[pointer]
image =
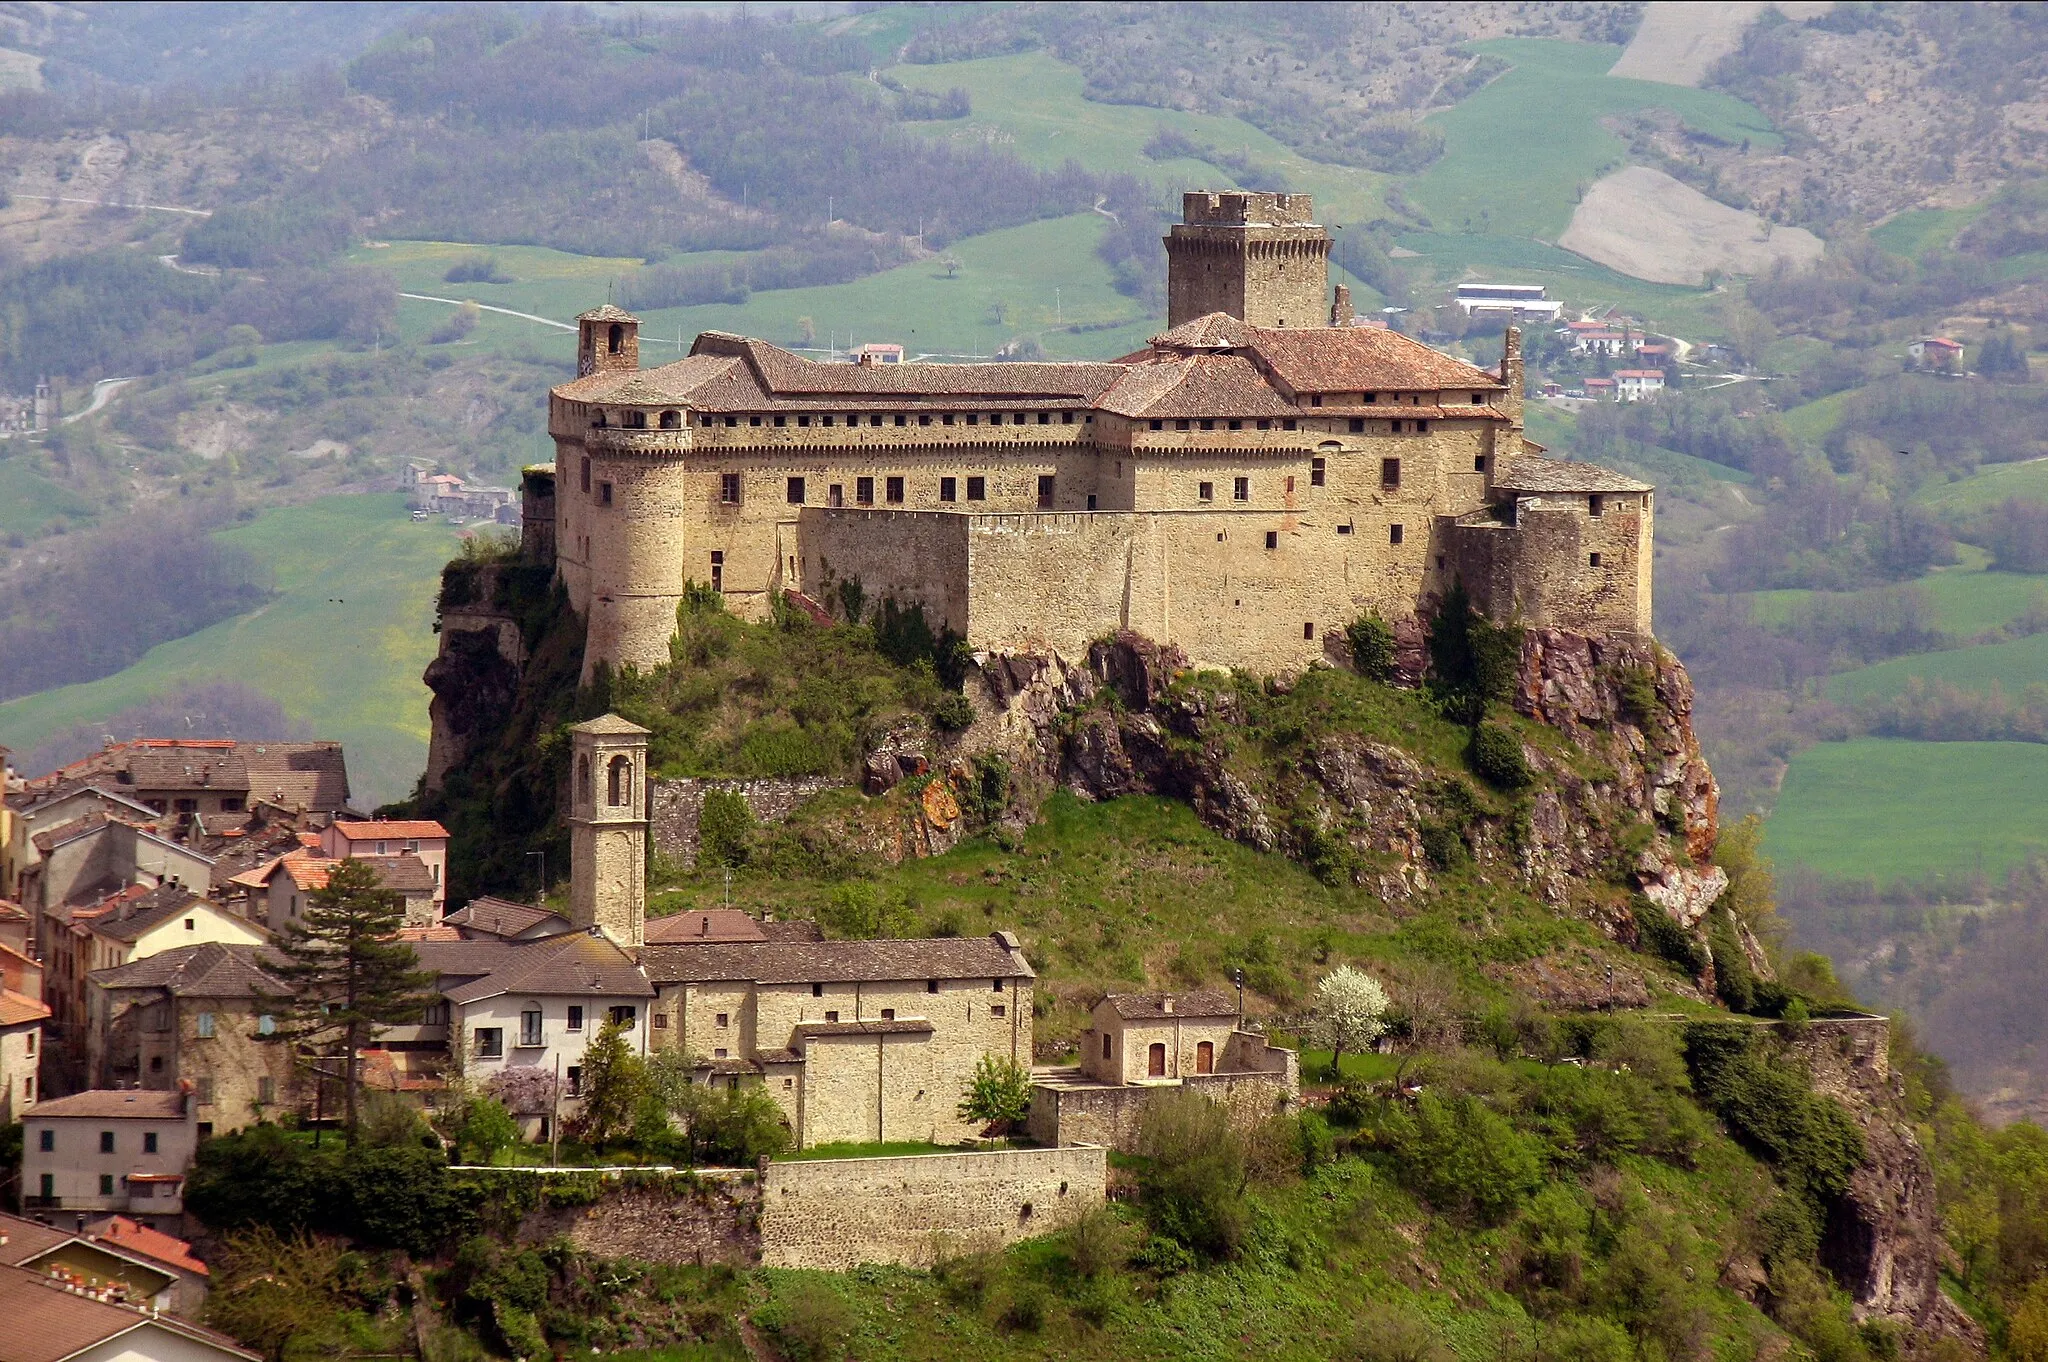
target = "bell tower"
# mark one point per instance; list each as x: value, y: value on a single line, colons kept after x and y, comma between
x: 1261, y: 257
x: 607, y: 338
x: 608, y: 828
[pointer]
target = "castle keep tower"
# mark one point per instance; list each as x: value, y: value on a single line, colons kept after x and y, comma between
x: 608, y: 828
x: 1259, y: 257
x: 607, y: 338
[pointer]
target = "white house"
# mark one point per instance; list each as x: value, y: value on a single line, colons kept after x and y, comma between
x: 1633, y: 385
x: 1511, y: 300
x: 106, y: 1150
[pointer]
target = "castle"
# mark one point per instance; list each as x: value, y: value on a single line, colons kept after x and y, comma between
x: 1263, y: 473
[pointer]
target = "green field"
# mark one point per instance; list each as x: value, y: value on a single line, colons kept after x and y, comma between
x: 341, y: 646
x: 1989, y: 486
x: 1920, y: 230
x: 1044, y: 276
x: 1517, y: 153
x: 1883, y: 809
x: 1668, y: 468
x: 1810, y: 422
x: 1967, y: 602
x: 29, y: 501
x: 2014, y: 666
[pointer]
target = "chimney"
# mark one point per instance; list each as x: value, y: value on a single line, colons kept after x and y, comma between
x: 1341, y: 311
x: 1511, y: 378
x: 1166, y: 1003
x: 705, y: 930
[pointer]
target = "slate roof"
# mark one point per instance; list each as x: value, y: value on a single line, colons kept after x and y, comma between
x: 1205, y: 1004
x: 907, y: 1026
x: 46, y: 1323
x: 104, y: 1104
x: 608, y: 313
x: 706, y: 925
x: 213, y: 969
x: 1558, y: 475
x: 825, y: 962
x: 312, y: 775
x: 609, y: 725
x: 501, y: 917
x: 130, y: 919
x: 574, y: 963
x: 404, y: 874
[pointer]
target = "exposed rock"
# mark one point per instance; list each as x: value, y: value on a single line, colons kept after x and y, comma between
x: 475, y: 682
x: 896, y: 754
x: 1680, y: 890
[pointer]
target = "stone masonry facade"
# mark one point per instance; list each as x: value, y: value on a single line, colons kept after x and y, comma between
x: 1260, y: 475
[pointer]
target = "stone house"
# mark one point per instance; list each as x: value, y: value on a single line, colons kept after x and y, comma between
x: 51, y: 1320
x: 194, y: 1018
x: 505, y: 920
x: 1157, y: 1037
x: 422, y: 838
x: 36, y: 811
x: 1245, y: 486
x: 282, y: 890
x: 110, y: 1151
x: 133, y: 924
x: 81, y: 864
x: 21, y: 1045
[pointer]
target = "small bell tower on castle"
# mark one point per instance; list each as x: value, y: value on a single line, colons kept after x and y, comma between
x: 608, y: 829
x: 607, y: 338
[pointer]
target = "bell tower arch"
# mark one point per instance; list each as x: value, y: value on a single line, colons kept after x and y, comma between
x: 608, y: 828
x: 607, y: 338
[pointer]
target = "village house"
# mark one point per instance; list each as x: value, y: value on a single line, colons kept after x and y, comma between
x: 1633, y: 385
x: 1600, y: 389
x: 1935, y: 352
x: 165, y: 1252
x: 132, y: 924
x: 22, y: 1016
x: 110, y: 1151
x: 52, y: 1320
x: 346, y: 839
x: 196, y: 1019
x: 282, y: 890
x: 505, y: 920
x: 117, y: 1257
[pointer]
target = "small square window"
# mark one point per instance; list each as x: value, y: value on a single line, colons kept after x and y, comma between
x: 1205, y: 491
x: 1272, y: 539
x: 781, y: 420
x: 788, y: 1083
x: 1265, y: 424
x: 1066, y: 418
x: 888, y: 1014
x: 753, y: 420
x: 796, y: 491
x: 924, y: 418
x: 949, y: 489
x: 1208, y: 425
x: 725, y: 1019
x: 1393, y: 534
x: 995, y: 986
x: 1422, y: 427
x: 803, y: 420
x: 1316, y: 401
x: 901, y: 419
x: 998, y: 1010
x: 947, y: 419
x: 1237, y: 425
x: 661, y: 1021
x: 719, y: 1053
x: 732, y: 420
x: 931, y: 986
x: 832, y: 1016
x: 1180, y: 425
x: 893, y: 489
x: 1159, y: 425
x: 1287, y: 424
x: 973, y: 418
x: 1369, y: 398
x: 1358, y: 425
x: 1593, y: 560
x: 817, y: 990
x: 1045, y: 418
x: 977, y: 489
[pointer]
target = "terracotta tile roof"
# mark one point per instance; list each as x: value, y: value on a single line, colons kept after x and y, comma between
x: 436, y: 932
x: 105, y: 1104
x: 18, y: 1009
x: 396, y: 830
x: 1196, y: 385
x: 1557, y: 475
x: 27, y: 1239
x: 1639, y: 373
x: 133, y: 1237
x: 796, y: 962
x: 47, y: 1323
x: 182, y: 768
x: 304, y: 775
x: 212, y: 969
x: 1206, y: 1004
x: 502, y: 918
x: 1360, y: 359
x: 132, y: 918
x: 792, y: 929
x: 907, y: 1026
x: 578, y: 962
x: 307, y: 870
x: 704, y: 924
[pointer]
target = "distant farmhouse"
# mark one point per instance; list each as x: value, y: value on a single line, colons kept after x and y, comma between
x: 1512, y: 301
x: 1253, y: 480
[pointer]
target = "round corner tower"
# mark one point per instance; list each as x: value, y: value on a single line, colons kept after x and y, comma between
x: 1260, y: 257
x: 608, y: 828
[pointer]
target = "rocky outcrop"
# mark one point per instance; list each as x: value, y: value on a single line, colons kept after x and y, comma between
x: 475, y: 683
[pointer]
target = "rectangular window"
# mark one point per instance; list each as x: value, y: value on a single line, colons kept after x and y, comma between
x: 1393, y: 534
x: 1289, y: 486
x: 1045, y: 485
x: 888, y: 1014
x: 892, y: 488
x: 1205, y: 491
x: 1272, y: 539
x: 835, y: 495
x: 49, y: 1187
x: 725, y: 1019
x: 832, y: 1016
x: 1358, y: 425
x: 1390, y: 475
x: 529, y: 1028
x: 575, y: 1016
x: 574, y: 1075
x: 1478, y: 463
x: 490, y: 1042
x: 661, y: 1021
x: 604, y: 493
x: 949, y: 489
x: 864, y: 491
x: 717, y: 570
x: 204, y: 1027
x: 796, y: 491
x: 1159, y: 425
x: 1287, y: 424
x: 977, y: 489
x: 1318, y: 472
x: 931, y: 986
x: 149, y: 1142
x: 998, y: 1010
x: 732, y: 420
x: 1308, y: 629
x: 1343, y: 529
x: 817, y: 990
x: 106, y: 1142
x: 1208, y: 424
x: 1180, y: 425
x: 803, y: 420
x: 106, y: 1184
x: 1422, y: 427
x: 46, y: 1140
x: 266, y: 1090
x: 1241, y: 489
x: 995, y: 986
x: 185, y: 805
x: 728, y: 489
x: 1595, y: 504
x: 1593, y: 560
x: 625, y: 1016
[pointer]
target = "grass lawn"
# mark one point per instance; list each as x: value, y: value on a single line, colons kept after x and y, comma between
x: 29, y: 501
x: 1885, y: 809
x: 1988, y: 486
x: 1967, y: 603
x: 1518, y: 152
x: 341, y: 647
x: 1924, y: 229
x: 2014, y: 666
x: 1810, y: 422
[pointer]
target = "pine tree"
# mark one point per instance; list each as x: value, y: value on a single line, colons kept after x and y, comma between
x: 348, y: 975
x: 614, y: 1079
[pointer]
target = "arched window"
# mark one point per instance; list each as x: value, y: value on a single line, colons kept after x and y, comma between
x: 1205, y: 1057
x: 621, y: 782
x: 617, y: 339
x: 636, y: 420
x: 671, y: 420
x: 1155, y: 1060
x: 583, y: 779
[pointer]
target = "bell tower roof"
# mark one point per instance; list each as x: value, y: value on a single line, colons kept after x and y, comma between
x: 608, y: 313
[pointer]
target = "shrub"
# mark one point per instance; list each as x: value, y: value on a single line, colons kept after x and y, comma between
x: 1394, y: 1334
x: 724, y: 827
x: 1810, y: 1138
x: 1659, y: 933
x: 1636, y: 684
x: 953, y: 712
x: 1097, y: 1244
x: 809, y: 1320
x: 484, y: 1128
x: 1465, y: 1158
x: 1496, y: 756
x: 1193, y: 1174
x: 999, y: 1094
x: 1372, y: 647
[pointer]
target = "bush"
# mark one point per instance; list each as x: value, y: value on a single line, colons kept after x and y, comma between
x: 1810, y: 1138
x: 1659, y: 933
x: 1372, y: 647
x: 809, y: 1320
x: 1395, y: 1334
x: 724, y: 827
x: 999, y: 1094
x: 484, y: 1129
x: 1496, y: 756
x: 1465, y: 1158
x: 1194, y: 1173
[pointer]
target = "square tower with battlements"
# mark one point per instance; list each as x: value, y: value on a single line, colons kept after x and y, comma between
x: 1260, y: 257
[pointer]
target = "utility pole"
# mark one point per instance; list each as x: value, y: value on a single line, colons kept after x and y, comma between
x: 540, y: 895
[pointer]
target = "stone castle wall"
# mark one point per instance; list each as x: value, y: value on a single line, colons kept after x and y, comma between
x: 1110, y: 1116
x: 1542, y: 567
x: 675, y: 806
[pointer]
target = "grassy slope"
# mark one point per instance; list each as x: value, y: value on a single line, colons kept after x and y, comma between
x: 341, y: 647
x: 1967, y: 602
x: 1988, y: 486
x: 29, y: 501
x: 1924, y: 229
x: 1883, y: 809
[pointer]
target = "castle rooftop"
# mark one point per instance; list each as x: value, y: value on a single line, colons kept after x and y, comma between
x: 1529, y: 474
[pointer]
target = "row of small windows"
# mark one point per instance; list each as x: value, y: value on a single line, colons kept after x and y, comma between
x: 923, y: 418
x: 1412, y: 399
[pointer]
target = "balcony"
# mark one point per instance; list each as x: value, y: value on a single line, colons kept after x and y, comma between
x: 623, y: 440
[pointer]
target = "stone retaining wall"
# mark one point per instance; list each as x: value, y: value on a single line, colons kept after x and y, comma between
x: 1109, y: 1116
x: 675, y: 806
x: 716, y: 1221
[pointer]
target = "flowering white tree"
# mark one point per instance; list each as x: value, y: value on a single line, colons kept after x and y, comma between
x: 1351, y: 1012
